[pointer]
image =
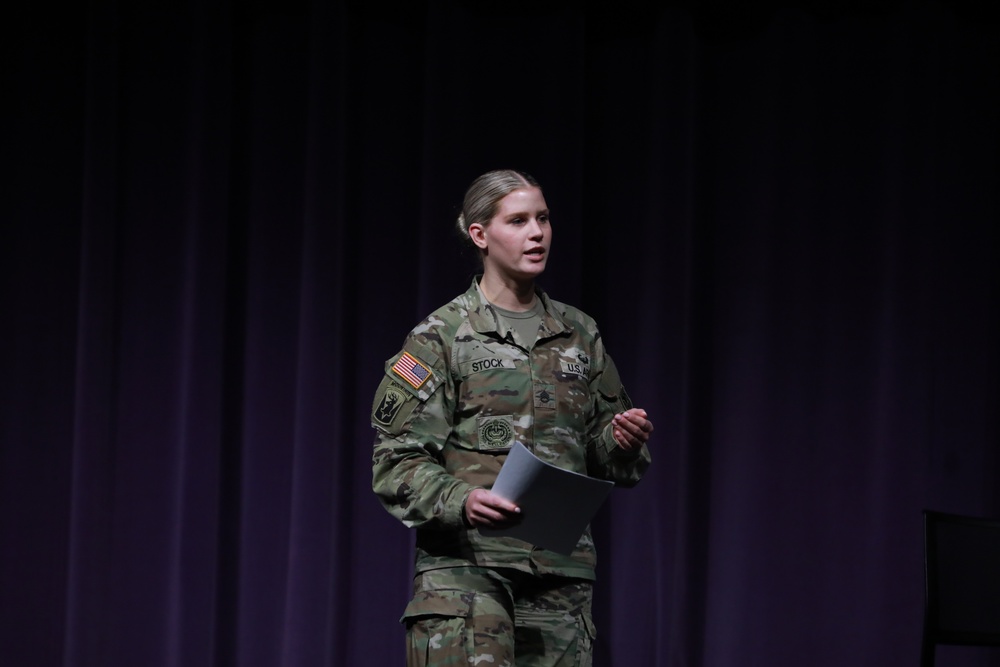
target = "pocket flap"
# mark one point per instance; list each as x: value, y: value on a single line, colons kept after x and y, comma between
x: 440, y: 603
x: 610, y: 384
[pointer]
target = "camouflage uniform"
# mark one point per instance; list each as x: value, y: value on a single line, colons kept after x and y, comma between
x: 452, y: 403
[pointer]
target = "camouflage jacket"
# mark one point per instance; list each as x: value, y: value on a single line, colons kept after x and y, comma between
x: 456, y: 398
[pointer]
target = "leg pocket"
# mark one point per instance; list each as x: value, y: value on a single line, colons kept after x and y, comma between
x: 452, y: 627
x: 554, y: 624
x: 437, y: 628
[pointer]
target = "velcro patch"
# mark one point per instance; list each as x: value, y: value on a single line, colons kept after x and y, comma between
x: 545, y: 396
x: 496, y: 432
x: 412, y: 370
x: 388, y: 406
x: 574, y: 368
x: 488, y: 364
x: 392, y: 407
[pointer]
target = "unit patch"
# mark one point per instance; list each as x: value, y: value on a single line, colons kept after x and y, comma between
x: 412, y: 370
x: 392, y: 407
x: 388, y: 407
x: 496, y: 432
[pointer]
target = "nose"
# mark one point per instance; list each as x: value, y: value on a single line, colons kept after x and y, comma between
x: 535, y: 229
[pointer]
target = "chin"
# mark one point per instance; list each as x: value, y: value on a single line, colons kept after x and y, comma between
x: 534, y: 270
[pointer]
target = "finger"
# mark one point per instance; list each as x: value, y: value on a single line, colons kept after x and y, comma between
x: 642, y: 422
x: 642, y: 430
x: 630, y: 424
x: 485, y: 516
x: 500, y: 503
x: 494, y: 519
x: 625, y: 440
x: 637, y: 417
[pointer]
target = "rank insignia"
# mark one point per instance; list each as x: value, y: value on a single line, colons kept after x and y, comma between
x: 545, y: 396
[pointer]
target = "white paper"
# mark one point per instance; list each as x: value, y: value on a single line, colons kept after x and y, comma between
x: 556, y: 504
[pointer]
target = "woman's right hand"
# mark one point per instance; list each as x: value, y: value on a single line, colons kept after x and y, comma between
x: 486, y: 509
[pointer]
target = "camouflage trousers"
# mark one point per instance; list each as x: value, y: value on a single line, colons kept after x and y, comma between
x: 472, y: 616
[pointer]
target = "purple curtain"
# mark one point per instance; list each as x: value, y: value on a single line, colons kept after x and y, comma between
x: 219, y: 219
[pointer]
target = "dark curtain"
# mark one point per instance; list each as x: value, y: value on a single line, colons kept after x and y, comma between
x: 220, y: 218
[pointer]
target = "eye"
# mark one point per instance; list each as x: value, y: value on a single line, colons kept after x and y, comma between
x: 517, y: 221
x: 543, y: 218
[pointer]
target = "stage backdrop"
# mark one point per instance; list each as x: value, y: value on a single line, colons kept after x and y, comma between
x: 220, y: 218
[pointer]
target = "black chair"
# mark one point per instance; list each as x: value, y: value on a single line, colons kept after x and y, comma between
x: 962, y: 576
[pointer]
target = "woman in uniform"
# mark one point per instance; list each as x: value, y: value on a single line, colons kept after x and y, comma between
x: 499, y: 364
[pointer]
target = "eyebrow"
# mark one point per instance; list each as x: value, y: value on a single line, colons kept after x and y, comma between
x: 521, y: 214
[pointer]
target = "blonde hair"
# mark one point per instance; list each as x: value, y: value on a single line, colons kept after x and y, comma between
x: 482, y: 199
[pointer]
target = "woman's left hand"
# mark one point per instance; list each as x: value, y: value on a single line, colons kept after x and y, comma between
x: 632, y: 428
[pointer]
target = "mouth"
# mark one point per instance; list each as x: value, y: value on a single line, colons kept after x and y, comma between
x: 535, y: 252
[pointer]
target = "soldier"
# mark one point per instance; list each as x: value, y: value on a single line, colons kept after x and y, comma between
x: 499, y: 364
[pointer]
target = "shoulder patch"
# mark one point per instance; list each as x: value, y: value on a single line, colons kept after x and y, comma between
x: 387, y: 408
x: 392, y: 407
x: 412, y: 370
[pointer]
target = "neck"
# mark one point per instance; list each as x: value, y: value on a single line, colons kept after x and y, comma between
x: 507, y: 293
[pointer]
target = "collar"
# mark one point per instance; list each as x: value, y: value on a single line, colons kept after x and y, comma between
x: 484, y: 318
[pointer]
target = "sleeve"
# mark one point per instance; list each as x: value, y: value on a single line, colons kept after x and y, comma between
x: 605, y: 458
x: 412, y: 414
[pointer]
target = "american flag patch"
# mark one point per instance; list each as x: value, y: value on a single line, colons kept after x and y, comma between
x: 411, y: 370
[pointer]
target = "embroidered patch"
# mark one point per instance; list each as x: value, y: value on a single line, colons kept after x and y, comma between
x: 388, y: 407
x: 545, y: 396
x: 412, y: 370
x: 581, y: 369
x: 392, y: 406
x: 480, y: 365
x: 496, y: 432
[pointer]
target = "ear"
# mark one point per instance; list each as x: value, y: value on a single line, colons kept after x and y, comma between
x: 477, y: 232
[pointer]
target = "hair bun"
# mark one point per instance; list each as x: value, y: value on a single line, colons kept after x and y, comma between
x: 482, y: 199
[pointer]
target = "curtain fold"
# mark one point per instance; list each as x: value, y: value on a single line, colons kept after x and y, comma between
x: 220, y: 220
